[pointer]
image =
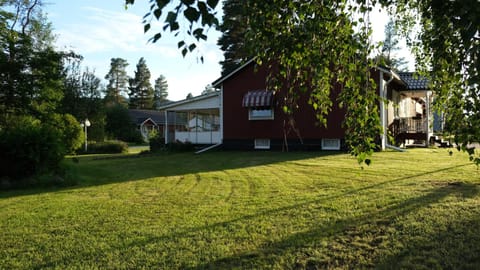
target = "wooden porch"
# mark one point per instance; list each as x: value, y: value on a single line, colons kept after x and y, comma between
x: 403, y: 129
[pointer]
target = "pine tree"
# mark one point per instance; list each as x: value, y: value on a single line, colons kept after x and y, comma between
x: 161, y: 91
x: 208, y: 89
x: 117, y: 82
x: 232, y: 41
x: 390, y: 46
x: 141, y: 91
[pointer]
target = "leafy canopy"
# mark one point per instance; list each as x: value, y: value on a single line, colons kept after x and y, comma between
x: 315, y: 43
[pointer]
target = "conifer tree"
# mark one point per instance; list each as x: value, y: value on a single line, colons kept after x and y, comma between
x: 117, y: 82
x: 390, y: 46
x: 161, y: 91
x: 141, y: 91
x: 232, y: 41
x: 208, y: 89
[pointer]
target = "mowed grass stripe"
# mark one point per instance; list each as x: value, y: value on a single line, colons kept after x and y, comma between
x: 260, y: 210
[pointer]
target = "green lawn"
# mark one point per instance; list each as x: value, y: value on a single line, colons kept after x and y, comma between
x: 250, y: 210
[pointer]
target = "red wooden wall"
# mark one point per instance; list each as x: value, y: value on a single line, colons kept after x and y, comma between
x: 237, y: 126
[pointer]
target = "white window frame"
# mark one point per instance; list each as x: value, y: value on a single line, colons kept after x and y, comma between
x: 327, y: 144
x: 251, y: 115
x: 262, y: 144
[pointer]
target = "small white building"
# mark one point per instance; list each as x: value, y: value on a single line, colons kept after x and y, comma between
x: 197, y: 120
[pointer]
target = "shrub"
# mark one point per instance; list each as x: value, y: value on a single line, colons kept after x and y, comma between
x: 157, y: 143
x: 120, y: 126
x: 72, y: 134
x: 27, y: 148
x: 108, y: 147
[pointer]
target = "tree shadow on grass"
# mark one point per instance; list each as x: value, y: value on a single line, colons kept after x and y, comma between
x: 347, y: 247
x: 452, y: 243
x: 339, y: 233
x: 96, y: 170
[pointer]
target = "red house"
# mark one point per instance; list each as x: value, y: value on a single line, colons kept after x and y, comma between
x: 251, y: 117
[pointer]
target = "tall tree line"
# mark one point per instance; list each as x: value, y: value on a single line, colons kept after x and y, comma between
x: 141, y: 94
x: 35, y: 130
x: 30, y: 69
x: 45, y: 93
x: 232, y: 42
x: 83, y: 96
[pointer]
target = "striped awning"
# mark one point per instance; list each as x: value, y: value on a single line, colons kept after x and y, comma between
x: 258, y: 98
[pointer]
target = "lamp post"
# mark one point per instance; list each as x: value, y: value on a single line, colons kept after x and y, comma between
x: 86, y: 124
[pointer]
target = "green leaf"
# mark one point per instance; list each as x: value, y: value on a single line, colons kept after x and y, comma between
x: 198, y: 34
x: 184, y: 52
x: 174, y: 26
x: 191, y: 14
x: 157, y: 13
x: 212, y: 3
x: 171, y: 17
x: 188, y: 2
x: 162, y: 3
x: 192, y: 47
x: 156, y: 37
x: 202, y: 7
x: 197, y: 31
x: 181, y: 44
x: 146, y: 27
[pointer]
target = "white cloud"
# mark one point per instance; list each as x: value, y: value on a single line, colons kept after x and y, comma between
x: 103, y: 30
x: 100, y: 34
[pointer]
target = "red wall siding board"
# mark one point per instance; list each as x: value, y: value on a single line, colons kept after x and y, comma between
x: 238, y: 127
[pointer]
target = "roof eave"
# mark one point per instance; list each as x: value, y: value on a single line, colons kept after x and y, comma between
x: 393, y: 74
x: 155, y: 123
x: 220, y: 80
x: 185, y: 101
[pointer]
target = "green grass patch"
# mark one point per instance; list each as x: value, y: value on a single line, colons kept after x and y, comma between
x: 250, y: 210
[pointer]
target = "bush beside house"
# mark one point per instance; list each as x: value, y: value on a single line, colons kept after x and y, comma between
x: 30, y: 148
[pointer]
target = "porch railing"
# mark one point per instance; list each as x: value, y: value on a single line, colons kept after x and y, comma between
x: 408, y: 125
x: 197, y: 137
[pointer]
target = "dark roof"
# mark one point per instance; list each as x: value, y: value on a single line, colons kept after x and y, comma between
x: 414, y: 81
x: 220, y: 80
x: 139, y: 116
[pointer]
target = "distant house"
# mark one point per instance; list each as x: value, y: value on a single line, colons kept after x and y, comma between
x: 148, y: 121
x: 244, y: 114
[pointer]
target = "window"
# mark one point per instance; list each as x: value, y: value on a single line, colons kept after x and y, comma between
x: 330, y: 144
x: 260, y: 114
x: 262, y: 144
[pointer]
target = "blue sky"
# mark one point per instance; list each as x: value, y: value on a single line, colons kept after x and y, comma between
x: 102, y: 29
